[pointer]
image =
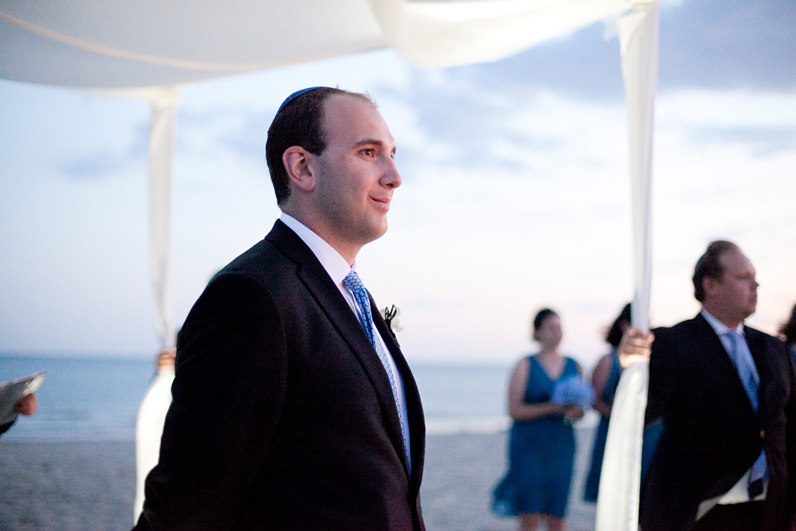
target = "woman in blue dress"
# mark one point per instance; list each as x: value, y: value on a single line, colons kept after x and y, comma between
x: 605, y: 379
x: 788, y: 332
x: 541, y: 441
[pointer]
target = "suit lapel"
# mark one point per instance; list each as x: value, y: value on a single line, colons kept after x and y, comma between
x: 416, y: 421
x: 725, y: 372
x: 339, y: 313
x: 757, y: 346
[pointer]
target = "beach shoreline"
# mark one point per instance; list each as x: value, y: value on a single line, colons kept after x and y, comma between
x: 65, y: 486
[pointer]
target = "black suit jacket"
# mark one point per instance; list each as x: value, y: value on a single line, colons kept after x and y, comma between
x: 711, y: 435
x: 283, y: 416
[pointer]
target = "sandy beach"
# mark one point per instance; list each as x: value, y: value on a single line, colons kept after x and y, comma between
x: 90, y: 485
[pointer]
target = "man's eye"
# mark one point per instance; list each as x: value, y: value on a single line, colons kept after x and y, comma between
x: 369, y: 152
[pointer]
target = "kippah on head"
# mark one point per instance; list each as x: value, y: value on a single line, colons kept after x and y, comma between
x: 296, y: 95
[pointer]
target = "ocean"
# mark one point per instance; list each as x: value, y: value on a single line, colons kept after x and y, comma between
x: 97, y: 399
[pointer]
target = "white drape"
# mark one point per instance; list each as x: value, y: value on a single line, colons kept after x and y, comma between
x: 443, y: 34
x: 152, y: 413
x: 618, y: 501
x: 161, y: 149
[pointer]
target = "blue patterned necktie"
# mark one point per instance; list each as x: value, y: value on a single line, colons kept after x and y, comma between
x: 751, y: 383
x: 352, y: 282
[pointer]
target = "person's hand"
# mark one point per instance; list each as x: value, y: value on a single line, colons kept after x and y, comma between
x: 635, y: 347
x: 573, y: 413
x: 27, y: 405
x: 166, y: 359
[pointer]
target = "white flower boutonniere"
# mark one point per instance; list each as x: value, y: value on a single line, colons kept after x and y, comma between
x: 391, y: 318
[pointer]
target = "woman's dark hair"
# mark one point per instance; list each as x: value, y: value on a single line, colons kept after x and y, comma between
x: 614, y: 335
x: 788, y: 328
x: 540, y: 318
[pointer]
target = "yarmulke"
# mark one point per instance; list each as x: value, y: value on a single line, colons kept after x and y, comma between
x: 296, y: 95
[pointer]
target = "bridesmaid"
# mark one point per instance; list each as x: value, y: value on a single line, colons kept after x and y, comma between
x: 788, y: 331
x: 541, y: 441
x: 604, y: 380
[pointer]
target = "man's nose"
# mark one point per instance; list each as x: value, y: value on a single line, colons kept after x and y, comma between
x: 391, y: 177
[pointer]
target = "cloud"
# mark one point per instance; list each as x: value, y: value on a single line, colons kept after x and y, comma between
x: 248, y: 140
x: 461, y: 123
x: 104, y: 162
x: 95, y: 165
x: 761, y: 141
x: 583, y: 66
x: 721, y: 44
x: 240, y: 130
x: 467, y: 116
x: 715, y: 44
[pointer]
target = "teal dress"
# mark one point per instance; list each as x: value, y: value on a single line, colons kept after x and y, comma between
x: 650, y: 438
x: 541, y: 454
x: 600, y: 436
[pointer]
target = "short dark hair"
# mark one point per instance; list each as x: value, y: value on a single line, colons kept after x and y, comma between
x: 709, y: 265
x: 541, y: 317
x: 298, y: 123
x: 614, y: 335
x: 788, y: 328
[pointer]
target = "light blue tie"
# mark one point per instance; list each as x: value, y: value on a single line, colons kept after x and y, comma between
x: 352, y: 282
x: 744, y: 364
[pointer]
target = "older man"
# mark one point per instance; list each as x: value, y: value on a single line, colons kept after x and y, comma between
x: 727, y: 394
x: 293, y: 407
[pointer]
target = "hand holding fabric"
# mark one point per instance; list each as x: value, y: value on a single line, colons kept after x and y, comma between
x: 27, y: 405
x: 635, y: 347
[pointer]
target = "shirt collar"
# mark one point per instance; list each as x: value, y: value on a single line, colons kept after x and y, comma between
x: 334, y: 264
x: 719, y: 327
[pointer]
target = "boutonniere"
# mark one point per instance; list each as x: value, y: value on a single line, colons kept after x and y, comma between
x: 390, y: 316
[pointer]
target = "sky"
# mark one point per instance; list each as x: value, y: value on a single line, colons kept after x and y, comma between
x: 515, y: 191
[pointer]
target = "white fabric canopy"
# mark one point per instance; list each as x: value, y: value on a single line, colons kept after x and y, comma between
x: 127, y: 44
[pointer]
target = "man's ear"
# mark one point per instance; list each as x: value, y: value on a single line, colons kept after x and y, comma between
x: 708, y: 283
x: 298, y: 164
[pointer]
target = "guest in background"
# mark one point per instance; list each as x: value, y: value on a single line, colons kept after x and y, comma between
x: 788, y: 331
x: 541, y: 441
x: 27, y: 406
x: 605, y: 379
x: 727, y: 393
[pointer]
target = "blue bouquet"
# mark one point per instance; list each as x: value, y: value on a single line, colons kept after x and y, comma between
x: 572, y: 391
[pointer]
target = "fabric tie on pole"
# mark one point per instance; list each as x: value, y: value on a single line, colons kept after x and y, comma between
x: 161, y: 150
x: 620, y: 481
x: 152, y: 413
x: 353, y: 283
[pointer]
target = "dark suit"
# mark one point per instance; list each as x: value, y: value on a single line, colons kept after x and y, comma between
x: 712, y: 436
x: 283, y: 415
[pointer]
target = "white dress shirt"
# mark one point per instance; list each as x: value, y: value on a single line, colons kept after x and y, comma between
x: 739, y: 492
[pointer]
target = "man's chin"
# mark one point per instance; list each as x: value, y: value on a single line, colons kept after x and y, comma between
x: 373, y: 232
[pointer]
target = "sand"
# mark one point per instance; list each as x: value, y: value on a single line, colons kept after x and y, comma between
x: 90, y: 485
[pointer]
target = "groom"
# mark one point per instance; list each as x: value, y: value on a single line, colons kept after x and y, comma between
x: 293, y: 407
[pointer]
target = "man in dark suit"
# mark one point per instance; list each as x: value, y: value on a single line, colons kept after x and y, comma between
x: 293, y: 407
x: 727, y: 395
